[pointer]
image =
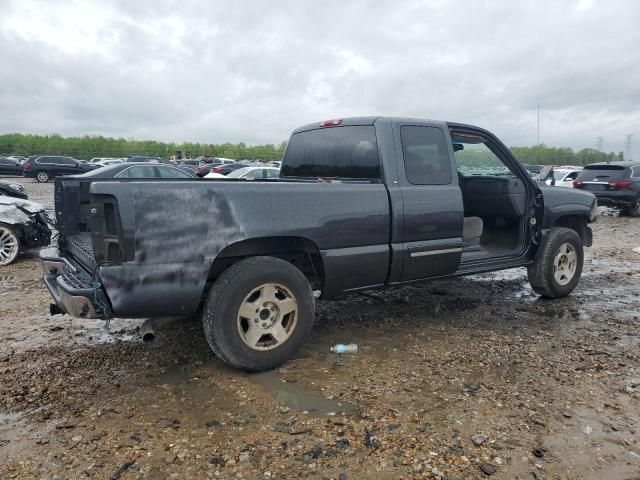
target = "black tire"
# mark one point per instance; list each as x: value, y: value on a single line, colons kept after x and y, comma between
x: 542, y: 272
x: 42, y: 176
x: 634, y: 210
x: 220, y: 316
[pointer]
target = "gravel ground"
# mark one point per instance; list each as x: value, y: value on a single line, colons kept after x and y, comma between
x: 468, y: 378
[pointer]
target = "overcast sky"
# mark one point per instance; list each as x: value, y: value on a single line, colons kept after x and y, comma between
x: 252, y: 71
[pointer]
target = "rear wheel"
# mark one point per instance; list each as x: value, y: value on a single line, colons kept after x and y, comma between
x: 258, y: 313
x: 9, y: 245
x: 558, y: 264
x: 634, y: 210
x: 42, y: 177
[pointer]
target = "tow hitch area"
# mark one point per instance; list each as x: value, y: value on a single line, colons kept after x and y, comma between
x: 72, y: 289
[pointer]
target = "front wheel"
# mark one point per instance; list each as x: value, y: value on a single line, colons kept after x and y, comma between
x: 9, y: 245
x: 42, y: 177
x: 558, y: 264
x: 258, y: 313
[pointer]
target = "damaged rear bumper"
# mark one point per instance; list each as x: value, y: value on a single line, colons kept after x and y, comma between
x: 72, y: 289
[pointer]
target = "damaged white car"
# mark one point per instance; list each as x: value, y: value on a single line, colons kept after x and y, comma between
x: 23, y: 225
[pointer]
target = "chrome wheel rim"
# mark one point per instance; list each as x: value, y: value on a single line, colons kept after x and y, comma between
x: 565, y: 264
x: 8, y: 246
x: 42, y: 177
x: 267, y: 316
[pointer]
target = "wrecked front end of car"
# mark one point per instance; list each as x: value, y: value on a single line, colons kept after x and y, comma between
x: 24, y: 225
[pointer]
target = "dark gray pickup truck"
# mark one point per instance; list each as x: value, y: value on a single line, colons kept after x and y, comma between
x: 361, y: 203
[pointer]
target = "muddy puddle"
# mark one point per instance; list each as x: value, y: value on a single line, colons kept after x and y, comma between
x: 595, y: 445
x: 210, y: 388
x: 297, y: 397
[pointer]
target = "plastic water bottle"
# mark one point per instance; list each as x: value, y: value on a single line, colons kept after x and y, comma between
x: 342, y: 348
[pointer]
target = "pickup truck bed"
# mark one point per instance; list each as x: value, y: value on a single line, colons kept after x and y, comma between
x: 152, y: 258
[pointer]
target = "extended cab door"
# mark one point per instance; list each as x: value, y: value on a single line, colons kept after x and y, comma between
x: 432, y: 200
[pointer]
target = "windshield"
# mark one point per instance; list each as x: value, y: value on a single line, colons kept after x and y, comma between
x: 475, y: 157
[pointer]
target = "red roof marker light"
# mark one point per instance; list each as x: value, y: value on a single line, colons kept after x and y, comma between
x: 331, y: 123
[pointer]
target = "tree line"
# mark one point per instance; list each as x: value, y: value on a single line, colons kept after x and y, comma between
x: 545, y: 155
x: 90, y: 146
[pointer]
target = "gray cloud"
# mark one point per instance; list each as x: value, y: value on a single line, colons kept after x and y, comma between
x: 234, y: 71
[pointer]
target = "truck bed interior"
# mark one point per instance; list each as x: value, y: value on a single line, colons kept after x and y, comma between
x: 76, y: 232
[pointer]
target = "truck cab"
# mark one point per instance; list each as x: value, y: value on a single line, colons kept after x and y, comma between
x: 459, y: 201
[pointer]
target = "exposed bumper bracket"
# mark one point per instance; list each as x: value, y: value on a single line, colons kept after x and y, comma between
x: 71, y: 288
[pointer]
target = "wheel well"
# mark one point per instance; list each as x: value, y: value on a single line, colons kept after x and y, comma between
x: 574, y: 222
x: 300, y: 252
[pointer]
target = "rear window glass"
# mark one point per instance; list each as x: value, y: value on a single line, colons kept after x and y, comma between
x: 603, y: 173
x: 340, y: 152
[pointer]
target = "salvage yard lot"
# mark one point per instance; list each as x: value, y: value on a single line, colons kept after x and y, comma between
x: 469, y: 378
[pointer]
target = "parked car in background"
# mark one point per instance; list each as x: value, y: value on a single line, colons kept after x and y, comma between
x: 616, y: 184
x: 187, y: 168
x: 224, y: 161
x: 18, y: 158
x: 9, y: 166
x: 138, y: 170
x: 45, y: 167
x: 249, y: 173
x: 142, y: 158
x: 23, y: 225
x: 564, y: 177
x: 107, y: 161
x: 276, y: 164
x: 228, y: 168
x: 12, y: 189
x: 188, y: 161
x: 204, y: 169
x: 102, y: 160
x: 533, y: 170
x: 570, y: 167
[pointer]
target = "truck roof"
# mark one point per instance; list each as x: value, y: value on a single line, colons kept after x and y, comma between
x: 369, y: 120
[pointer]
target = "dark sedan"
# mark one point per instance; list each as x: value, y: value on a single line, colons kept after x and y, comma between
x: 9, y: 166
x: 139, y: 170
x: 12, y: 189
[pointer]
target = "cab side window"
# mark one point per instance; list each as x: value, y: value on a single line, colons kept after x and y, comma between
x: 426, y: 156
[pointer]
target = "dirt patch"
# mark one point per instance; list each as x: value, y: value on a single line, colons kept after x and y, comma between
x: 467, y: 378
